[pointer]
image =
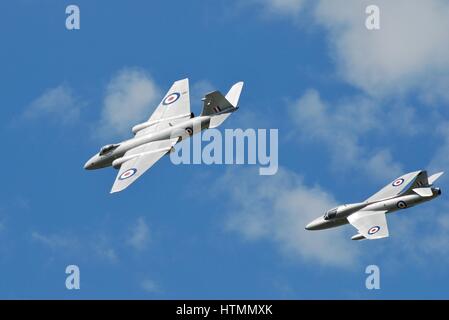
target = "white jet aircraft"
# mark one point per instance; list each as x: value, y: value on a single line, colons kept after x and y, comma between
x: 369, y: 218
x: 170, y: 123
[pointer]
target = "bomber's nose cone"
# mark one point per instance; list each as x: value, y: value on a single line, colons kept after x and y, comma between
x: 91, y: 163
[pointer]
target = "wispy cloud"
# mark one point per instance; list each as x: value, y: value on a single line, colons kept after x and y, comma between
x: 58, y: 103
x: 86, y: 246
x: 149, y: 285
x: 56, y: 241
x: 139, y: 235
x: 130, y: 97
x: 277, y: 208
x: 284, y: 7
x: 198, y: 90
x: 340, y: 128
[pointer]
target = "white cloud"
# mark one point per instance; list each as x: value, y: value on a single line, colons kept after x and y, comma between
x: 340, y: 127
x: 130, y: 98
x: 278, y: 208
x: 409, y: 52
x: 408, y: 55
x: 58, y: 103
x: 139, y: 235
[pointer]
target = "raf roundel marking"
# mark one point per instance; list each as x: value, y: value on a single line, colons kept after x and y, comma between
x: 171, y: 98
x: 127, y: 174
x: 397, y: 182
x: 401, y: 205
x: 373, y: 230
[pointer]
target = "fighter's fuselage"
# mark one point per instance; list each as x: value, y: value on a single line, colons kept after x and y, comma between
x: 180, y: 130
x: 338, y: 216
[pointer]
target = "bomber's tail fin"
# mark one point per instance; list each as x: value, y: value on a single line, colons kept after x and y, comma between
x: 233, y: 94
x: 220, y: 107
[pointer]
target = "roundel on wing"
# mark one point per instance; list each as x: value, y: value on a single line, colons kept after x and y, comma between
x: 128, y: 174
x: 171, y: 98
x: 373, y: 230
x: 397, y: 182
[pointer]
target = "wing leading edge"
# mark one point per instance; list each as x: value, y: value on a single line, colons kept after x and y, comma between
x: 141, y: 159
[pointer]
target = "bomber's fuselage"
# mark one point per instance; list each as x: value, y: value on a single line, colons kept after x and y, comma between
x: 180, y: 130
x: 338, y: 216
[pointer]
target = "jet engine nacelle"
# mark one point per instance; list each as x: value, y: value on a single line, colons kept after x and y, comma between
x: 118, y: 162
x: 147, y: 124
x: 343, y: 210
x: 141, y: 126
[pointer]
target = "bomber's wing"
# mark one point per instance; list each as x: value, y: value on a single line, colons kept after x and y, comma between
x: 370, y: 224
x: 141, y: 159
x: 397, y: 186
x: 174, y: 107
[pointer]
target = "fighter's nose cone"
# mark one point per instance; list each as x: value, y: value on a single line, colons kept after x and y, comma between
x: 315, y: 224
x: 312, y: 225
x: 88, y: 165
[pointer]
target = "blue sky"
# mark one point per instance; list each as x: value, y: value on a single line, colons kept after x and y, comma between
x: 354, y: 109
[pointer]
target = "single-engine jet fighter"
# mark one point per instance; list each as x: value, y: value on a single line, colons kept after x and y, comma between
x: 369, y: 218
x: 171, y: 122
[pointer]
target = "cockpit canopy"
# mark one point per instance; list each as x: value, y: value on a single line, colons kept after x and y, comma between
x: 331, y: 214
x: 108, y: 148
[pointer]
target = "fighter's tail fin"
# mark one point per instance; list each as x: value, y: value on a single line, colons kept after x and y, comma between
x: 434, y: 177
x: 220, y: 107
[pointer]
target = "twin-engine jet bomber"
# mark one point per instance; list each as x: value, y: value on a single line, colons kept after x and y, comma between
x: 171, y: 122
x: 369, y: 218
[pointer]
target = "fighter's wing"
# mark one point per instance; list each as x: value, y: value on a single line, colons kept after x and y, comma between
x: 140, y: 160
x: 370, y: 224
x: 396, y: 187
x: 173, y: 108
